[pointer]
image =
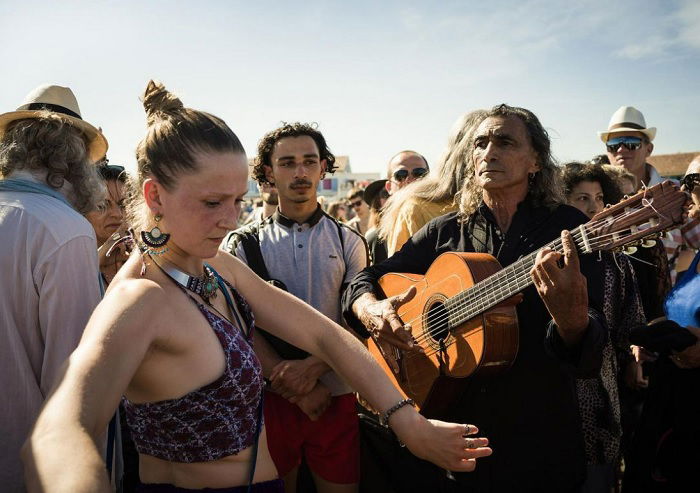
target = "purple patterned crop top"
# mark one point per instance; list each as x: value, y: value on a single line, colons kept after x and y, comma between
x: 214, y: 421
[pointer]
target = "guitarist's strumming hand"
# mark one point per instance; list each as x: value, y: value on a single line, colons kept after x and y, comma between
x: 563, y: 289
x: 383, y: 323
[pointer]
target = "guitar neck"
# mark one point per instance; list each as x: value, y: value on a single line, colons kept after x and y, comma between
x: 506, y: 283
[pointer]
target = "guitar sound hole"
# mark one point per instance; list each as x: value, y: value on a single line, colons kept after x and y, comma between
x: 437, y: 322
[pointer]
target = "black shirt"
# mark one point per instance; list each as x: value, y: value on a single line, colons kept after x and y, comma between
x: 529, y: 413
x: 376, y: 245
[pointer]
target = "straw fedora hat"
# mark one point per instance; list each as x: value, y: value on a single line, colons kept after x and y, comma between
x: 59, y: 100
x: 627, y: 119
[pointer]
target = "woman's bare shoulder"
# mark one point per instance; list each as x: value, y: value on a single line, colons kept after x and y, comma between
x: 132, y: 299
x: 228, y: 266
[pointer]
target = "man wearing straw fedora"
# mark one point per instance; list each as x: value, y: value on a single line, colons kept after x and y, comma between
x: 628, y: 142
x: 48, y: 261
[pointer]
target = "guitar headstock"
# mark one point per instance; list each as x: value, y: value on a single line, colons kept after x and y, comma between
x: 649, y: 211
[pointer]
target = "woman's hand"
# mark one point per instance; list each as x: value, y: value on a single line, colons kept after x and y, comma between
x: 114, y: 253
x: 452, y: 446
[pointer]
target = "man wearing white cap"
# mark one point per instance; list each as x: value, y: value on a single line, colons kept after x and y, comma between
x: 629, y: 143
x: 48, y: 260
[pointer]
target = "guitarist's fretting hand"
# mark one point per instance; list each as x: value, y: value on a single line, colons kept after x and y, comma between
x: 385, y: 326
x: 563, y: 289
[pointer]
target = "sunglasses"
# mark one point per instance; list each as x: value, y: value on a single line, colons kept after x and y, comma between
x: 629, y: 143
x: 690, y: 180
x: 355, y: 204
x: 402, y: 174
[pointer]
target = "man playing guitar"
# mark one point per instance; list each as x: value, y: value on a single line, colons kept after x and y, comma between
x: 511, y: 207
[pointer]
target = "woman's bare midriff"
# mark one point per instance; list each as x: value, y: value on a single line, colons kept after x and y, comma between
x: 185, y: 357
x: 230, y: 471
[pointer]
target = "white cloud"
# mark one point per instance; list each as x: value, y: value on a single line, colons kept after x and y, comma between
x: 671, y: 32
x: 689, y: 19
x: 650, y: 46
x: 411, y: 18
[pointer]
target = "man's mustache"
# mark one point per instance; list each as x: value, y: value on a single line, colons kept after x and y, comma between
x: 300, y: 183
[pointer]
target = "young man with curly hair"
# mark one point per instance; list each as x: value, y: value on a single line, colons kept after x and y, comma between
x: 309, y: 411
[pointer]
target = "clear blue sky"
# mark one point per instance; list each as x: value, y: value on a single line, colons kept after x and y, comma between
x: 378, y: 77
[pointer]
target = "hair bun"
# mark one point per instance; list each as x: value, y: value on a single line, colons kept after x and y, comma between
x: 157, y: 100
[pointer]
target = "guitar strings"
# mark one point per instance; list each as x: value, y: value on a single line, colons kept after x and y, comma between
x: 514, y: 270
x: 512, y: 275
x: 514, y: 283
x: 526, y: 279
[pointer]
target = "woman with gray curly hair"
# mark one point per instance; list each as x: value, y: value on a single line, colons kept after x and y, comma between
x: 47, y: 253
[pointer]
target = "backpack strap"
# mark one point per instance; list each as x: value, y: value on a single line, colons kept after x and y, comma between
x: 340, y: 236
x: 249, y: 239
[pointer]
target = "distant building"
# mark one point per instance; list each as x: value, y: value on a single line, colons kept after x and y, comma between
x: 672, y: 165
x: 333, y: 186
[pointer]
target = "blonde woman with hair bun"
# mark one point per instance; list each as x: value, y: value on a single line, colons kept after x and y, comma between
x: 174, y: 337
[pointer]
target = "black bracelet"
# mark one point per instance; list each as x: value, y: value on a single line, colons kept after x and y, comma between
x: 384, y: 419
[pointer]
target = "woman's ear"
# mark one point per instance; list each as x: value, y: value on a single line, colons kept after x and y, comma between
x: 151, y: 194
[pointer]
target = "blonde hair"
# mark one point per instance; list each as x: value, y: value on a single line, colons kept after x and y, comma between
x: 49, y: 144
x: 174, y: 136
x: 445, y: 184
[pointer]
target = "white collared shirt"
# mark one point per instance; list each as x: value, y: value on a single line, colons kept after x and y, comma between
x: 48, y: 290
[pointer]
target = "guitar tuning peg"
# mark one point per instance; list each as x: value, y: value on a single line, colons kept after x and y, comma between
x: 649, y: 243
x: 630, y: 250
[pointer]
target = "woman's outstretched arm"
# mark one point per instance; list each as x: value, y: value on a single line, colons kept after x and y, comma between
x: 291, y: 319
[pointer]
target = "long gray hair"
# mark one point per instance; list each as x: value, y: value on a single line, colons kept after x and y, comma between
x: 49, y: 145
x: 446, y: 183
x: 545, y: 187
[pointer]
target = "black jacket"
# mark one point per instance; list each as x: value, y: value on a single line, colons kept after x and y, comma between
x: 529, y: 413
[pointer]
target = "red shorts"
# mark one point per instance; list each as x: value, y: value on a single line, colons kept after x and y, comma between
x: 331, y: 445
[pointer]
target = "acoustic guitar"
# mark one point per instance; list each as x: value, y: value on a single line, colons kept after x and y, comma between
x: 463, y: 315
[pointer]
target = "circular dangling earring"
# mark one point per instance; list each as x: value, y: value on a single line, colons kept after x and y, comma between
x: 531, y: 179
x: 155, y: 239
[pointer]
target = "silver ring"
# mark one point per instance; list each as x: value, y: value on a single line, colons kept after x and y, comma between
x: 468, y: 430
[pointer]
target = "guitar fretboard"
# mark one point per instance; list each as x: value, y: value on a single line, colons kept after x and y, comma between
x: 504, y: 284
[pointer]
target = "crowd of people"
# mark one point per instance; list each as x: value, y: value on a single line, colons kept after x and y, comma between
x: 157, y: 339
